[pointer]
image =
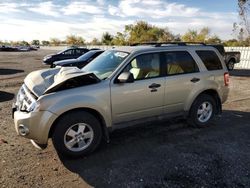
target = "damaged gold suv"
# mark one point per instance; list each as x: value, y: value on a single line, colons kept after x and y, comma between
x: 121, y: 87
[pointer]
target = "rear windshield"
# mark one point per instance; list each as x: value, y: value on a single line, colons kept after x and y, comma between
x: 210, y: 59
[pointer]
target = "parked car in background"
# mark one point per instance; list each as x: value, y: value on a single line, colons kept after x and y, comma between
x: 230, y: 58
x: 26, y: 48
x: 69, y: 53
x: 8, y: 48
x: 80, y: 61
x: 18, y: 48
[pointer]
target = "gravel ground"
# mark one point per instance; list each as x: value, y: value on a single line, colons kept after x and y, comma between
x: 160, y: 154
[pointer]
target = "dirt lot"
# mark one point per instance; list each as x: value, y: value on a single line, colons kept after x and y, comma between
x: 160, y: 154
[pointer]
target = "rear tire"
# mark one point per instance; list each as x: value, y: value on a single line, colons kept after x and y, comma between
x: 230, y: 65
x: 202, y: 111
x: 76, y: 134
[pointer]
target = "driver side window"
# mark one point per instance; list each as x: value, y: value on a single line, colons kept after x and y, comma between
x: 68, y: 52
x: 144, y: 66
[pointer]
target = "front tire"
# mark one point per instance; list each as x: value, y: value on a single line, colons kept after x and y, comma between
x: 202, y: 111
x: 76, y: 134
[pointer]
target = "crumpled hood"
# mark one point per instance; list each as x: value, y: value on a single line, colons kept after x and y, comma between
x: 42, y: 81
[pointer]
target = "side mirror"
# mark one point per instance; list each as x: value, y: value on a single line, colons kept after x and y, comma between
x: 125, y: 77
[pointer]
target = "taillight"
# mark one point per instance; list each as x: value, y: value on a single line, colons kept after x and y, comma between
x: 226, y: 78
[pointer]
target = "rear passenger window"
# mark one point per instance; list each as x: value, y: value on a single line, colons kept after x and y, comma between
x: 78, y: 52
x: 210, y: 59
x: 180, y: 62
x: 68, y: 52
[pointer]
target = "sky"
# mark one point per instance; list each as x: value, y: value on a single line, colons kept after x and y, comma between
x: 36, y: 19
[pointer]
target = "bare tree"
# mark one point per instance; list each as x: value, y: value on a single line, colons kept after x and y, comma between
x: 244, y: 13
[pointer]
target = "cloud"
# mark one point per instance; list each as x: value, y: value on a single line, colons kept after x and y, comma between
x: 76, y: 8
x: 97, y: 26
x: 152, y: 2
x: 177, y: 17
x: 29, y: 30
x: 153, y: 9
x: 219, y: 23
x: 10, y: 7
x: 100, y: 2
x: 114, y: 11
x: 91, y: 19
x: 22, y: 29
x: 45, y: 8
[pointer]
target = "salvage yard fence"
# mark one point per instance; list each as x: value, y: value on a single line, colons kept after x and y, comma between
x: 244, y: 60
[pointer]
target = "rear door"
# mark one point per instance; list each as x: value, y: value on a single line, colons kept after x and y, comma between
x: 182, y: 76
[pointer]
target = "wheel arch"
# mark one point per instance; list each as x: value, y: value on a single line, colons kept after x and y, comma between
x: 89, y: 110
x: 231, y: 59
x: 214, y: 94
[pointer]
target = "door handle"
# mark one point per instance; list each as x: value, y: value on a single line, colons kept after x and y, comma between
x: 154, y: 85
x: 194, y: 80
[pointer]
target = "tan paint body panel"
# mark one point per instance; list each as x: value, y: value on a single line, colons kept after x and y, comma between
x: 38, y: 123
x: 133, y: 101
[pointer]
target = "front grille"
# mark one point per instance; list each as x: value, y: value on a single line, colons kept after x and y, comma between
x: 24, y: 99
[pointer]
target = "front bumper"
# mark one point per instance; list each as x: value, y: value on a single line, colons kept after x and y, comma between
x: 47, y: 61
x: 37, y: 124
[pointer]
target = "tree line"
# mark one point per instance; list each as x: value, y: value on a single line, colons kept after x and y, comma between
x: 140, y: 32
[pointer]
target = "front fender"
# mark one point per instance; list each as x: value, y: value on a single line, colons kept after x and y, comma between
x: 68, y: 104
x: 98, y: 99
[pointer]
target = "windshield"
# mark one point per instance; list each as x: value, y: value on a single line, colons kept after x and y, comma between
x: 106, y: 63
x: 86, y: 56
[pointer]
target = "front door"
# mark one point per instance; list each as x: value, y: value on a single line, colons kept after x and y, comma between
x: 145, y: 96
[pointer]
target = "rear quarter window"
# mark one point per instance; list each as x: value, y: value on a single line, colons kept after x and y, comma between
x: 210, y: 59
x: 68, y: 52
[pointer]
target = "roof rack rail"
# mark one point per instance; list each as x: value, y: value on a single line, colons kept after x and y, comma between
x: 159, y: 44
